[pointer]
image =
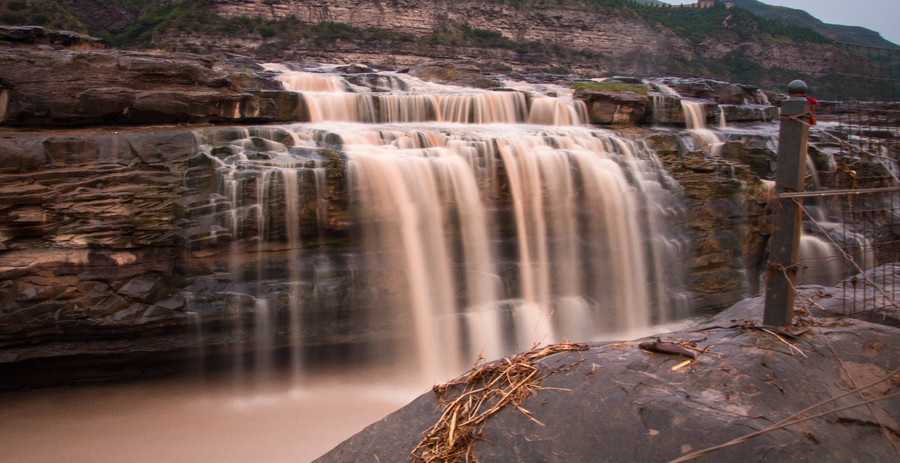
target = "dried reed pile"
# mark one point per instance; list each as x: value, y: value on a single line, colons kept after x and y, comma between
x: 470, y: 400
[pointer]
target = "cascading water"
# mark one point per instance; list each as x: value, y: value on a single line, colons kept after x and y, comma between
x: 819, y: 262
x: 695, y: 119
x: 695, y: 116
x: 457, y: 240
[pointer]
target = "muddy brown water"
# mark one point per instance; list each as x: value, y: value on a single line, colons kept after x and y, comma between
x: 179, y: 420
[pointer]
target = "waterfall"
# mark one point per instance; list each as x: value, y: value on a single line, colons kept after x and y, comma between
x: 820, y: 262
x: 695, y: 119
x: 472, y: 224
x: 695, y: 115
x: 328, y: 97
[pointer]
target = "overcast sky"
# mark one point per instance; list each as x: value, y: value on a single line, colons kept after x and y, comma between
x: 882, y: 16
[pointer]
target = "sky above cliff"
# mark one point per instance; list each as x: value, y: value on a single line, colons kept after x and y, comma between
x: 878, y: 15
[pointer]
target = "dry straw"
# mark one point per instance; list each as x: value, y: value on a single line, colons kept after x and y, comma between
x: 470, y: 400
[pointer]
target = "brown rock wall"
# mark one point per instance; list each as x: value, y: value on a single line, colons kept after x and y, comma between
x: 815, y: 60
x: 101, y: 87
x: 725, y: 214
x: 578, y: 29
x: 83, y: 215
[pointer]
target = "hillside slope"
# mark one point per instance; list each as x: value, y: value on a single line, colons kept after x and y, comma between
x: 589, y: 37
x: 846, y: 34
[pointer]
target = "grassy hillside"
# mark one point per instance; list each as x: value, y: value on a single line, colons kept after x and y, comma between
x: 846, y: 34
x: 725, y: 23
x: 47, y: 13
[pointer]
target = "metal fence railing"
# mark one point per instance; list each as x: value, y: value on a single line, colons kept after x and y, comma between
x: 850, y: 208
x: 854, y: 203
x: 868, y: 127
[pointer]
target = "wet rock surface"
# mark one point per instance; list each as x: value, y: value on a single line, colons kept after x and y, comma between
x: 617, y: 402
x: 445, y: 72
x: 714, y: 91
x: 726, y: 221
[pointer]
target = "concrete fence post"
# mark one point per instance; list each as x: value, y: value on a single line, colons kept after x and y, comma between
x: 784, y: 243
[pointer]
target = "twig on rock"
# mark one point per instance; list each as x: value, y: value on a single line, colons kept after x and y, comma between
x: 485, y: 391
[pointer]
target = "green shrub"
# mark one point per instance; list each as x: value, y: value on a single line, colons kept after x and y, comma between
x: 556, y: 70
x: 609, y: 87
x: 266, y: 31
x: 13, y: 19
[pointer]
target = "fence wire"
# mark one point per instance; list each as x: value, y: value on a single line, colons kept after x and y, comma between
x: 856, y: 152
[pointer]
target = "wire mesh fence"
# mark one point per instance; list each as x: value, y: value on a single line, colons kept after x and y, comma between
x: 854, y: 214
x: 864, y: 73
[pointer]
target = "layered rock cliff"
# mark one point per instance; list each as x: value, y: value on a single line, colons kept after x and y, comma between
x: 603, y: 32
x: 584, y: 39
x: 114, y: 231
x: 593, y: 37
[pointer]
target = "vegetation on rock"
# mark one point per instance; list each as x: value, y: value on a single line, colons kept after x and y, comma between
x: 47, y: 13
x: 152, y: 24
x: 610, y: 87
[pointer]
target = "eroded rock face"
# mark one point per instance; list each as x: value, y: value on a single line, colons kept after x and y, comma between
x: 615, y: 108
x: 91, y: 88
x: 37, y: 36
x: 87, y: 236
x: 726, y: 218
x: 621, y: 37
x: 574, y: 28
x: 714, y: 91
x: 87, y: 88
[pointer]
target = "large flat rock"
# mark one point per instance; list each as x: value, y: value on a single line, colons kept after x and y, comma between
x: 617, y: 402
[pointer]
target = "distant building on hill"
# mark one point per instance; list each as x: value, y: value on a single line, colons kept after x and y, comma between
x: 699, y: 4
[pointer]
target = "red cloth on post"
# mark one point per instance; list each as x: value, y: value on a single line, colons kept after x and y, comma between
x: 812, y: 109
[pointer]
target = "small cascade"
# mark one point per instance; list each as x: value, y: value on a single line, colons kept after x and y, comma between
x: 695, y: 119
x: 695, y: 116
x: 457, y: 240
x: 820, y: 262
x: 400, y: 98
x: 266, y: 175
x: 658, y: 107
x: 195, y: 325
x: 556, y: 111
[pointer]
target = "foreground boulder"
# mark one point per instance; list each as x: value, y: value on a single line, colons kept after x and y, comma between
x: 622, y: 402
